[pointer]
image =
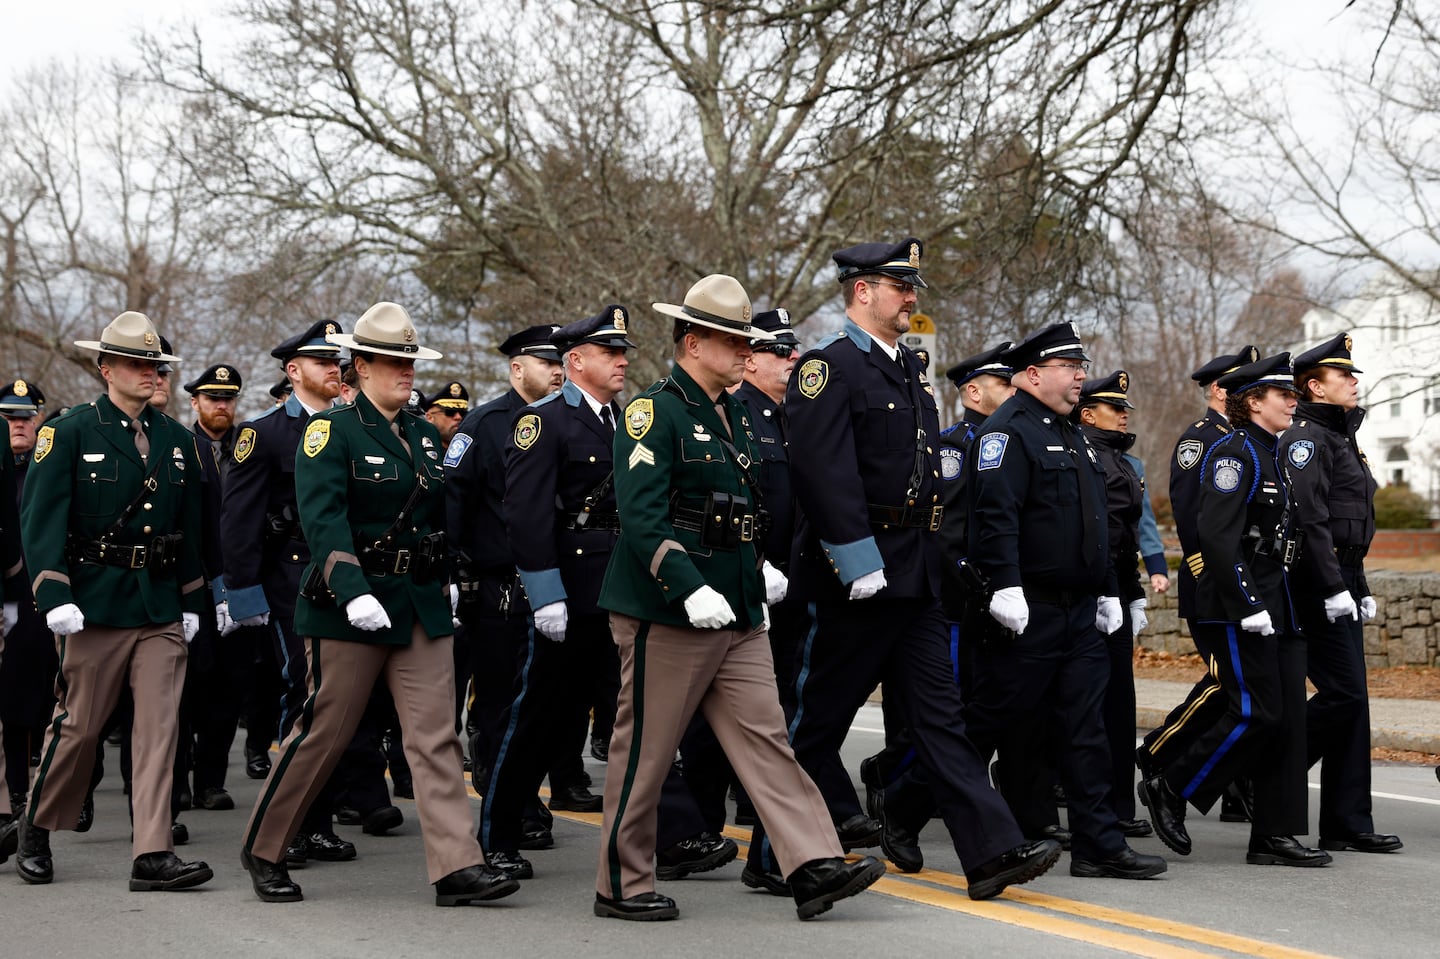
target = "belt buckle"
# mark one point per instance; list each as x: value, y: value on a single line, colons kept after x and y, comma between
x: 139, y: 556
x: 936, y: 514
x: 747, y: 528
x: 402, y: 562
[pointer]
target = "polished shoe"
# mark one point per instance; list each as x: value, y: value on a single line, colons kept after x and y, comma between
x: 1145, y: 762
x: 87, y: 814
x: 402, y: 788
x: 179, y: 833
x: 257, y: 763
x: 901, y: 847
x: 9, y: 838
x: 820, y: 883
x: 271, y: 881
x: 645, y: 907
x: 771, y: 882
x: 164, y: 871
x: 33, y: 861
x: 1136, y: 828
x: 183, y: 799
x: 1126, y: 864
x: 348, y: 816
x: 583, y: 779
x: 600, y: 748
x: 511, y: 864
x: 328, y: 847
x: 1167, y: 811
x: 575, y: 799
x: 700, y: 853
x: 378, y: 822
x: 534, y: 834
x: 874, y: 788
x: 215, y: 798
x: 480, y: 779
x: 466, y: 765
x: 1021, y: 864
x: 1237, y: 803
x: 1360, y: 842
x: 858, y: 831
x: 1284, y: 851
x: 297, y: 854
x: 466, y: 887
x: 1056, y: 832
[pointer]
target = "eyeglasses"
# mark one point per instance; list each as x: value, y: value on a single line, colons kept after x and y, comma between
x: 905, y: 289
x: 778, y: 349
x: 1072, y: 367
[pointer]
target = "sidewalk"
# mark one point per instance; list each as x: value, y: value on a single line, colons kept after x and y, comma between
x: 1394, y: 723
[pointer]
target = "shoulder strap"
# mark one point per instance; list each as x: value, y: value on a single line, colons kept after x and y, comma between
x: 147, y: 487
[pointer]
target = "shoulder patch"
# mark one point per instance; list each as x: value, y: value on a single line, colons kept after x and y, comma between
x: 992, y: 450
x: 455, y: 452
x: 814, y: 374
x: 1188, y: 453
x: 527, y: 431
x: 317, y: 434
x: 1301, y: 452
x: 952, y: 461
x: 245, y: 445
x: 44, y: 442
x: 1227, y: 474
x: 639, y: 417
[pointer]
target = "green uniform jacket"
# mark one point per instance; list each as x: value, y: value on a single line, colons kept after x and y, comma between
x: 352, y: 478
x: 84, y: 473
x: 670, y: 443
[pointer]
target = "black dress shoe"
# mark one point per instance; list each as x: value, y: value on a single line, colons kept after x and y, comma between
x: 820, y: 883
x: 270, y: 880
x: 1360, y: 842
x: 1126, y: 864
x: 473, y: 884
x: 1020, y: 864
x: 164, y: 871
x: 179, y: 833
x: 1167, y: 811
x: 901, y: 847
x: 9, y: 838
x: 32, y: 857
x: 297, y: 854
x: 348, y: 816
x: 1145, y: 762
x: 874, y: 788
x: 700, y: 853
x: 257, y: 763
x: 600, y: 748
x: 511, y: 864
x: 215, y: 798
x: 645, y: 907
x: 859, y: 831
x: 575, y: 799
x: 534, y: 834
x: 1284, y: 851
x: 87, y: 814
x: 403, y: 788
x: 1238, y: 803
x: 771, y: 882
x: 1056, y: 832
x: 1136, y: 828
x: 328, y: 847
x: 378, y: 822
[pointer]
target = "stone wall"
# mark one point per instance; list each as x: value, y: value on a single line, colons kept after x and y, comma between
x: 1404, y: 632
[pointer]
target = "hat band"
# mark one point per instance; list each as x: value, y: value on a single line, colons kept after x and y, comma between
x: 1282, y: 380
x: 1063, y: 347
x: 536, y: 348
x: 216, y: 388
x: 1107, y: 396
x: 1332, y: 361
x: 739, y: 326
x: 131, y: 351
x: 452, y: 404
x: 402, y: 347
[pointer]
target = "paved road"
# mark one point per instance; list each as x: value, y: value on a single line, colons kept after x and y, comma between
x: 379, y: 906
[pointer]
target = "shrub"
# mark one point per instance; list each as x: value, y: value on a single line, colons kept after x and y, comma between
x: 1400, y: 507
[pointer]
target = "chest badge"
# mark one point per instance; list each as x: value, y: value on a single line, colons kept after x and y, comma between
x: 639, y: 417
x: 814, y: 374
x: 1301, y: 453
x: 317, y: 434
x: 1227, y: 474
x: 1187, y: 454
x: 527, y: 431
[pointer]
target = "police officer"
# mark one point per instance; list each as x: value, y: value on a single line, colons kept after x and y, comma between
x: 109, y: 521
x: 446, y: 407
x: 11, y: 593
x: 1242, y: 612
x: 1335, y: 507
x: 1037, y: 536
x: 280, y: 392
x: 687, y: 611
x: 373, y: 603
x: 866, y: 463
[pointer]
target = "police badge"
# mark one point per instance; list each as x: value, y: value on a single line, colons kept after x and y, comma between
x: 1188, y: 453
x: 1227, y: 474
x: 1301, y: 452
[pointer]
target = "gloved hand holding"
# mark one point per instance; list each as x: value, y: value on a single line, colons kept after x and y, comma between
x: 551, y: 619
x: 1341, y: 604
x: 223, y: 623
x: 1258, y: 623
x: 1367, y: 607
x: 776, y: 585
x: 190, y: 624
x: 707, y: 609
x: 65, y: 620
x: 259, y: 619
x: 9, y: 617
x: 365, y: 612
x: 1010, y: 609
x: 1138, y: 619
x: 1108, y: 614
x: 868, y: 585
x: 454, y: 591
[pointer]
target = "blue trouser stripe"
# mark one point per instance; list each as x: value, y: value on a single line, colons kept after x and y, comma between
x: 955, y: 651
x: 1233, y: 644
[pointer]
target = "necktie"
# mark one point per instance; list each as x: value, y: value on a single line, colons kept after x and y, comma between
x: 1089, y: 507
x: 607, y: 418
x: 395, y: 428
x: 724, y: 419
x: 142, y: 442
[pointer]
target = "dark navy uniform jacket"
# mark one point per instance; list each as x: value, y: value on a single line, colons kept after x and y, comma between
x: 560, y: 453
x: 1027, y: 521
x: 475, y: 486
x: 955, y: 447
x: 767, y: 431
x: 1124, y: 494
x: 852, y: 414
x: 1333, y: 490
x: 1185, y: 463
x: 214, y: 464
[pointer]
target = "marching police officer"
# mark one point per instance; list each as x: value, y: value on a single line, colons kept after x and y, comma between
x: 1335, y: 508
x: 109, y: 519
x: 446, y: 407
x: 11, y: 593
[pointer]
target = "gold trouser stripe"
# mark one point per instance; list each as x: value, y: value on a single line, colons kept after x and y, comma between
x: 1196, y: 704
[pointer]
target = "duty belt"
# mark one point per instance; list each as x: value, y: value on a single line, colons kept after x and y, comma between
x: 158, y: 554
x: 922, y: 518
x: 1352, y: 556
x: 697, y: 520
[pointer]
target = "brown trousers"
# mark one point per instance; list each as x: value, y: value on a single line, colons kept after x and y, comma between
x: 666, y: 674
x: 421, y: 678
x: 94, y: 663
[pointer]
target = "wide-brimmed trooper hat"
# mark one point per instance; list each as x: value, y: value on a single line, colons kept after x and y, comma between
x: 130, y: 334
x: 385, y: 328
x: 719, y: 302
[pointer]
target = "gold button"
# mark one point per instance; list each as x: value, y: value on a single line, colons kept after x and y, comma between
x: 592, y: 459
x: 377, y: 475
x: 92, y: 475
x: 147, y: 531
x: 929, y: 450
x: 149, y: 505
x: 890, y: 406
x: 665, y: 588
x: 579, y: 552
x: 707, y: 457
x: 909, y: 502
x: 935, y: 472
x: 295, y: 557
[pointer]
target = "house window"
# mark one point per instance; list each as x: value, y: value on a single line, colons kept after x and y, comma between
x: 1394, y: 402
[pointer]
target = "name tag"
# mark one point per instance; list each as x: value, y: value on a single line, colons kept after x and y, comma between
x: 375, y: 460
x: 1056, y: 449
x: 92, y: 457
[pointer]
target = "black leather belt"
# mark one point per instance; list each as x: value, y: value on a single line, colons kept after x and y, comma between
x: 1057, y: 597
x: 925, y: 517
x: 593, y: 519
x: 696, y: 519
x: 159, y: 553
x: 397, y: 561
x: 1351, y: 556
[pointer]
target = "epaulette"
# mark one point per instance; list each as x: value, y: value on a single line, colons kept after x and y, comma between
x: 547, y: 398
x: 831, y: 338
x: 270, y: 412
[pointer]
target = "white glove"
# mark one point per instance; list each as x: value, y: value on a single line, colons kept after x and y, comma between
x: 8, y: 619
x: 1367, y: 607
x: 1138, y: 619
x: 551, y: 620
x: 223, y: 623
x: 365, y: 612
x: 454, y: 605
x: 776, y: 585
x: 1010, y: 609
x: 1258, y: 623
x: 190, y: 624
x: 707, y: 609
x: 259, y: 619
x: 1341, y: 604
x: 765, y: 616
x: 65, y: 620
x: 1108, y: 614
x: 868, y: 585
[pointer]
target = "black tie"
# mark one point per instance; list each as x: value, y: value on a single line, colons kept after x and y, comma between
x: 606, y: 418
x: 1088, y: 506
